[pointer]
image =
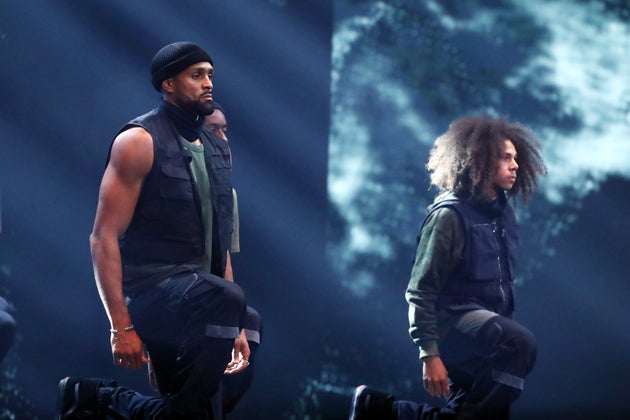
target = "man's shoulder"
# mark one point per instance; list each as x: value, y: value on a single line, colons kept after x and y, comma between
x: 133, y: 147
x: 446, y: 215
x: 445, y: 200
x: 145, y: 119
x: 133, y: 134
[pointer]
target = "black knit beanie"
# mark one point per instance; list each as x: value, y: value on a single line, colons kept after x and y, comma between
x: 173, y: 58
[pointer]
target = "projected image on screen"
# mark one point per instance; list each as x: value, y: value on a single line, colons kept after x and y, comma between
x: 402, y: 70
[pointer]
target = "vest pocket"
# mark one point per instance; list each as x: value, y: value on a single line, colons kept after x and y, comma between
x: 484, y: 253
x: 175, y: 183
x: 220, y: 160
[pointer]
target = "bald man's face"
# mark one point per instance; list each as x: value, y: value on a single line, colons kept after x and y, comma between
x: 217, y: 123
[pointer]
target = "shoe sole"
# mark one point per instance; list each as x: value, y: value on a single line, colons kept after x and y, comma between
x: 355, y: 401
x: 68, y: 384
x: 61, y: 391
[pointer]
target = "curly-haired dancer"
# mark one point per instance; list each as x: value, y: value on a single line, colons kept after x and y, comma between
x: 460, y: 291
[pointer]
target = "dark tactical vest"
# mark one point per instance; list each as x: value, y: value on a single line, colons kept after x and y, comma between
x: 166, y: 227
x: 485, y: 276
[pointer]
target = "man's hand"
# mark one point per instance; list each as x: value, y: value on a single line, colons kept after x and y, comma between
x: 240, y: 355
x: 127, y: 350
x: 435, y: 376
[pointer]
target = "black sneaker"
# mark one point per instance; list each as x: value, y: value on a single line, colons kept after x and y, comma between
x: 370, y: 404
x: 78, y: 397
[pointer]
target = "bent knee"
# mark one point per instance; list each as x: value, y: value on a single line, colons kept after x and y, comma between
x: 508, y: 335
x: 523, y: 339
x: 528, y: 341
x: 252, y: 324
x: 514, y: 342
x: 7, y: 325
x: 233, y: 293
x: 253, y: 319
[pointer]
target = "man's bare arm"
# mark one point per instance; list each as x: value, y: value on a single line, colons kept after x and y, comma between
x: 130, y: 162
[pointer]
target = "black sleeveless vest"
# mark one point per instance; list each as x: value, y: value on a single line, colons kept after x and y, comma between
x: 485, y: 276
x: 166, y: 227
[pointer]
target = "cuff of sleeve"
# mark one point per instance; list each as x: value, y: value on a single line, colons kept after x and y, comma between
x: 429, y: 348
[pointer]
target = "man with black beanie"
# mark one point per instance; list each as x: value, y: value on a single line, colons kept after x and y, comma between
x: 160, y: 248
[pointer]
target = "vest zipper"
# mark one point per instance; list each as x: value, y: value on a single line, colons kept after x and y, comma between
x: 494, y: 231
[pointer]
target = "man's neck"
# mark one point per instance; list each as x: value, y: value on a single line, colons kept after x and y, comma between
x: 188, y: 125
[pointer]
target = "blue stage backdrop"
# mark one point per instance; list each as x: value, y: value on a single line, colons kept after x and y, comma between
x: 332, y: 108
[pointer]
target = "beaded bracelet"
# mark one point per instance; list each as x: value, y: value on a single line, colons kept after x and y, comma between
x: 126, y: 329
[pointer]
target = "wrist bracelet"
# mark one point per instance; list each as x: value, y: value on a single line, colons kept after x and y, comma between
x: 126, y: 329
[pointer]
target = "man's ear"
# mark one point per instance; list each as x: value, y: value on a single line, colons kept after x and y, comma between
x: 167, y: 85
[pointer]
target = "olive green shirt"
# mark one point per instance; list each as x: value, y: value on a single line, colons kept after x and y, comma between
x: 201, y: 178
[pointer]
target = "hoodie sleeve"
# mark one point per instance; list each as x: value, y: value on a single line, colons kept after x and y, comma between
x: 438, y: 254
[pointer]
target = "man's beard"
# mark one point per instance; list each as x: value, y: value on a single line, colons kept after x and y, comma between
x: 199, y: 108
x: 205, y: 108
